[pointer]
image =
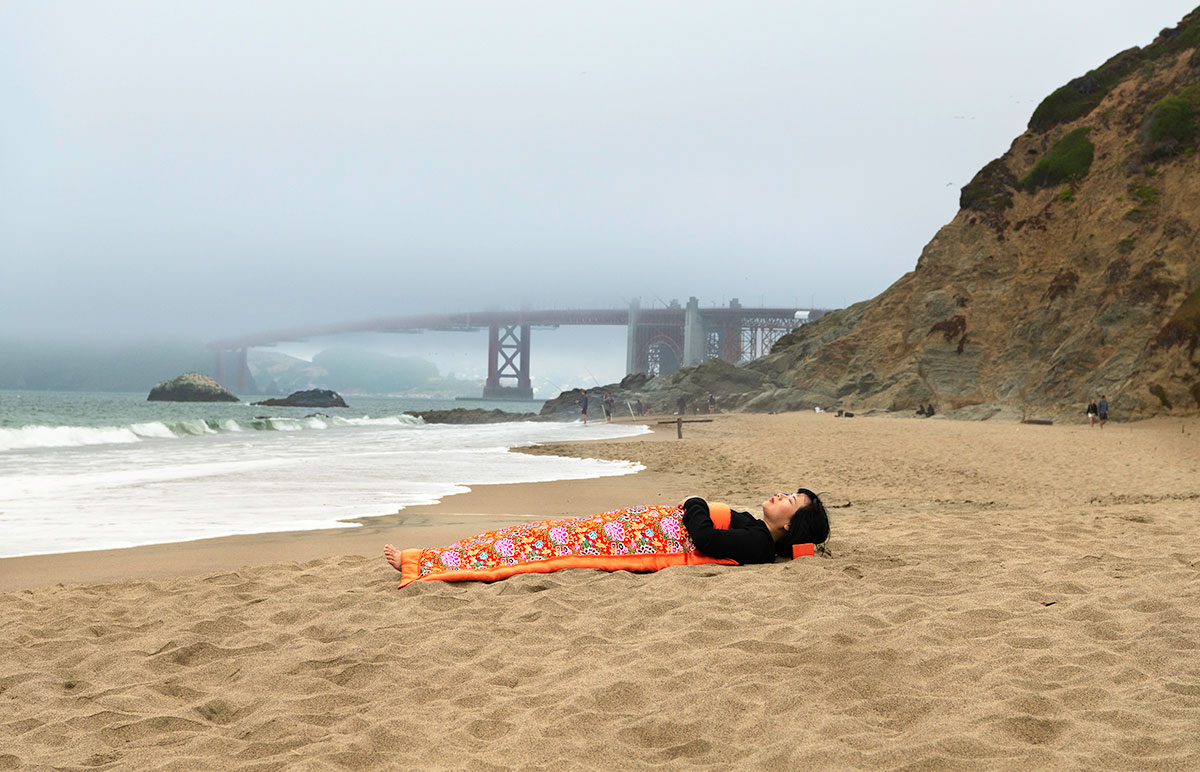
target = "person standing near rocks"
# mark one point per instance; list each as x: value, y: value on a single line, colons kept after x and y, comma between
x: 1102, y: 407
x: 712, y: 403
x: 608, y: 403
x: 583, y: 400
x: 1092, y: 411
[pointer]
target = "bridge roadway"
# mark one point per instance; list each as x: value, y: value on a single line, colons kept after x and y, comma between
x: 460, y: 322
x: 660, y: 339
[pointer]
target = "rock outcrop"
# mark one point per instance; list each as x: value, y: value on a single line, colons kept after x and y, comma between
x: 309, y: 398
x: 730, y: 387
x: 1071, y: 269
x: 191, y: 387
x: 461, y: 415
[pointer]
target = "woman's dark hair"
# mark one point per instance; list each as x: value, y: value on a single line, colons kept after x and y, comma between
x: 809, y: 525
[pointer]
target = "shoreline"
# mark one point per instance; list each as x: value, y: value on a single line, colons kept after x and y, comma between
x: 455, y: 516
x: 486, y: 507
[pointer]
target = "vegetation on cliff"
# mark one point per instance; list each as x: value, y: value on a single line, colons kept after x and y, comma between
x: 1170, y: 128
x: 991, y: 189
x: 1080, y: 96
x: 1083, y: 94
x: 1068, y: 160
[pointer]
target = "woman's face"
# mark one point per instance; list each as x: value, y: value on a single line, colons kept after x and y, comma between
x: 778, y: 510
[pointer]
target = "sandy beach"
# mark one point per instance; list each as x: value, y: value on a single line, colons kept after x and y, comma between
x: 997, y: 596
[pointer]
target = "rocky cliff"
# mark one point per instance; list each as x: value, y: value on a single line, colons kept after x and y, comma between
x: 1070, y: 269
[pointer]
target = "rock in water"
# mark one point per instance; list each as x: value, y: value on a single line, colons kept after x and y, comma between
x: 191, y: 387
x: 460, y: 415
x: 310, y: 398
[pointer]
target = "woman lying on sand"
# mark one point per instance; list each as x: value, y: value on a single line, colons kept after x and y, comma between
x: 788, y: 519
x: 646, y: 538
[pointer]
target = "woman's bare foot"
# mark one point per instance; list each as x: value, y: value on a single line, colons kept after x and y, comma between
x: 393, y: 556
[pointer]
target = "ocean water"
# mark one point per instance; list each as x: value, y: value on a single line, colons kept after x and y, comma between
x: 83, y: 471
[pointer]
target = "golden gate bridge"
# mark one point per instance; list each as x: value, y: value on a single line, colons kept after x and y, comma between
x: 660, y: 340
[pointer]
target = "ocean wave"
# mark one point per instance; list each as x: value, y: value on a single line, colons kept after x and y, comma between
x: 153, y: 429
x: 391, y: 420
x: 64, y: 436
x: 36, y: 436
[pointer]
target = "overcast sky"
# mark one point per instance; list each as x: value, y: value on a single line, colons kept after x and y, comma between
x: 209, y: 168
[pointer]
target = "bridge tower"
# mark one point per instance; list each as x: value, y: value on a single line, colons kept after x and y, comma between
x: 694, y: 342
x: 231, y: 371
x: 508, y: 360
x: 633, y: 363
x: 655, y: 343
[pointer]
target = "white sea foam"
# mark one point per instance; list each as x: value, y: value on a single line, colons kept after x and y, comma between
x: 36, y: 436
x: 391, y: 420
x: 151, y: 490
x: 153, y: 429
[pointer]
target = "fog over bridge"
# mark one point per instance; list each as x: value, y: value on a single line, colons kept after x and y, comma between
x: 660, y: 340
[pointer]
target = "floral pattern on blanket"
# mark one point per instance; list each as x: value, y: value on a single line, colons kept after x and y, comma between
x: 642, y: 530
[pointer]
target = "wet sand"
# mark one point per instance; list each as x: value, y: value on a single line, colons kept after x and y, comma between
x: 998, y: 596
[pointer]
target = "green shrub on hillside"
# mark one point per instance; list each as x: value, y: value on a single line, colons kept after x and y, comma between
x: 1170, y: 128
x: 1080, y: 96
x: 1069, y: 159
x: 1191, y: 93
x: 1147, y: 198
x: 1146, y: 195
x: 990, y: 189
x: 1185, y: 34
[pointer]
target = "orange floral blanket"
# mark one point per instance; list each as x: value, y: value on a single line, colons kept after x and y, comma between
x: 644, y: 538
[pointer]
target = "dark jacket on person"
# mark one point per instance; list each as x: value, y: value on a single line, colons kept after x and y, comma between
x: 747, y: 540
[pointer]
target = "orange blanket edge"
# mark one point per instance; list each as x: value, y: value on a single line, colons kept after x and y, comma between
x: 720, y: 514
x: 410, y: 561
x: 410, y: 571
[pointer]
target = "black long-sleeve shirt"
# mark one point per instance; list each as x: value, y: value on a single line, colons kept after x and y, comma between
x: 748, y: 540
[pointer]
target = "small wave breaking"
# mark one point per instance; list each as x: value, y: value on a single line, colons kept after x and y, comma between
x: 35, y: 436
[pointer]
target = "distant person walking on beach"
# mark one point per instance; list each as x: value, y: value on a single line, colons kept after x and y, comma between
x: 1093, y: 410
x: 583, y: 400
x: 1102, y: 407
x: 608, y: 403
x: 712, y: 403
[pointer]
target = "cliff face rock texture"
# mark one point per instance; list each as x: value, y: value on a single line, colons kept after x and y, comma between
x: 191, y: 387
x: 1070, y: 270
